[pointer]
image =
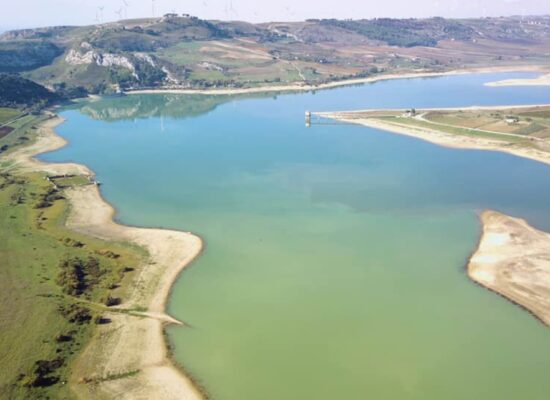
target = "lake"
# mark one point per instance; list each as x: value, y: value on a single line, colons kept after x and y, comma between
x: 334, y: 262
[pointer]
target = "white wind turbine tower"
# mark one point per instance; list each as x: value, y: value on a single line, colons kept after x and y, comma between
x: 231, y: 9
x: 126, y: 4
x: 101, y: 14
x: 119, y: 14
x: 153, y: 7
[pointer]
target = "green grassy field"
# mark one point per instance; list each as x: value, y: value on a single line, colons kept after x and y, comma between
x: 7, y: 114
x: 54, y: 284
x: 530, y: 122
x: 453, y: 130
x: 71, y: 181
x: 23, y: 132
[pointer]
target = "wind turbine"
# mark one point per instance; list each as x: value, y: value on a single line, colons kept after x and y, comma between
x: 126, y: 4
x: 101, y: 13
x: 119, y: 13
x: 231, y: 9
x: 153, y: 7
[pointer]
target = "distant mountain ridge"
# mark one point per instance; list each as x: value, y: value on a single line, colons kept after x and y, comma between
x: 187, y: 52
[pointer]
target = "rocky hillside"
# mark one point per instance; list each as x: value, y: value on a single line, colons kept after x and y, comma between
x: 185, y: 52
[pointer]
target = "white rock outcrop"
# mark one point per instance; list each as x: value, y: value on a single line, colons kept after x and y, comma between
x: 75, y: 57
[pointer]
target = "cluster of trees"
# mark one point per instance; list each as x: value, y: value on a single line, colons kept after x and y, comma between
x: 16, y: 91
x: 24, y: 55
x: 406, y: 32
x: 47, y: 198
x: 75, y: 314
x: 167, y: 33
x: 43, y: 373
x: 136, y: 39
x: 69, y: 92
x: 204, y: 83
x: 193, y: 28
x: 77, y: 275
x: 149, y: 76
x: 46, y: 372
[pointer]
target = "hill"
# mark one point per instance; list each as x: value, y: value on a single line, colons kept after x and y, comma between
x: 16, y: 91
x: 187, y: 52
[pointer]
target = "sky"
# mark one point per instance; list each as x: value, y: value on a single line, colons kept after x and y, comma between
x: 34, y: 13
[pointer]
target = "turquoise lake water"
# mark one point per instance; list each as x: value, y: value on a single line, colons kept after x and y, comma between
x: 334, y: 259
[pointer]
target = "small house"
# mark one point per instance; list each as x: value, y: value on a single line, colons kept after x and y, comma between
x: 511, y: 119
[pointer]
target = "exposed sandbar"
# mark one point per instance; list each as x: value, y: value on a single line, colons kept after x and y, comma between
x: 543, y: 80
x: 513, y: 259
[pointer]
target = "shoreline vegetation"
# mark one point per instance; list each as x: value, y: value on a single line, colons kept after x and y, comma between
x: 297, y: 87
x: 110, y: 364
x: 512, y: 258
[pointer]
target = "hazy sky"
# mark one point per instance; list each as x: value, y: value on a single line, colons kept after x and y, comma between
x: 33, y: 13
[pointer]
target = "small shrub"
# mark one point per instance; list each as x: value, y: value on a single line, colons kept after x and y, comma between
x: 112, y: 301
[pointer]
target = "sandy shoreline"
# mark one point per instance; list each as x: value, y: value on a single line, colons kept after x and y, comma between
x: 543, y: 80
x: 348, y: 82
x: 131, y: 343
x: 445, y: 139
x: 513, y: 259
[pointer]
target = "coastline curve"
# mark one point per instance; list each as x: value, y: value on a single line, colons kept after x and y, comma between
x: 133, y: 346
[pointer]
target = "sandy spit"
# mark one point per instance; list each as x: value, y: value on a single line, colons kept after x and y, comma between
x: 513, y: 259
x: 444, y: 139
x: 348, y: 82
x: 132, y: 344
x: 543, y: 80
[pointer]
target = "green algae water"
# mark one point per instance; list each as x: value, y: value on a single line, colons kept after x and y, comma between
x: 334, y: 258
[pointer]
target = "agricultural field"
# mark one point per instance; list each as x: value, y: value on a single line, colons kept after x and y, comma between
x: 513, y: 125
x: 532, y: 122
x: 188, y: 52
x: 8, y: 114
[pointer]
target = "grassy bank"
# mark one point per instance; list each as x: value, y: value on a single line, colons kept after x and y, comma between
x: 522, y: 126
x: 55, y: 285
x: 7, y: 114
x: 454, y: 130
